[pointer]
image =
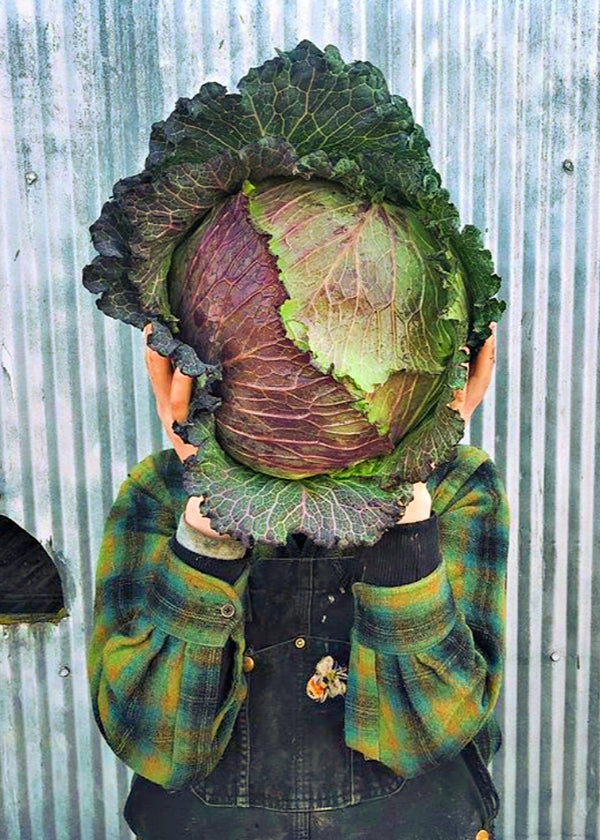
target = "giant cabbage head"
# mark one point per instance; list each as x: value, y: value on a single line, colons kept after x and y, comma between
x: 296, y: 254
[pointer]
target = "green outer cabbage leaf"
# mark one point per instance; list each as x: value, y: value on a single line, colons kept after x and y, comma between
x: 245, y: 503
x: 303, y: 114
x: 324, y: 249
x: 409, y: 318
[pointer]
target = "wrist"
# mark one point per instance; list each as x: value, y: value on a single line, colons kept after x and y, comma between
x: 219, y: 547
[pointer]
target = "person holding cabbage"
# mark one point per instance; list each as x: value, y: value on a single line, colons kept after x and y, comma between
x: 299, y: 616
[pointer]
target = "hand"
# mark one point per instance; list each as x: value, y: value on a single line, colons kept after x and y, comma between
x: 465, y: 401
x: 480, y: 375
x: 172, y: 392
x: 420, y: 506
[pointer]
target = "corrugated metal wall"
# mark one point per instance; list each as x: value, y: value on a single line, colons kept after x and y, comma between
x: 508, y: 93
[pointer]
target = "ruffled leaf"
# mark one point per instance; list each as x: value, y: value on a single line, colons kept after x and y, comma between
x: 249, y: 505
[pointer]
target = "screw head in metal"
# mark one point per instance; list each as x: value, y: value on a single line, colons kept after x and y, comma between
x: 555, y: 656
x: 568, y: 165
x: 30, y: 178
x: 65, y: 671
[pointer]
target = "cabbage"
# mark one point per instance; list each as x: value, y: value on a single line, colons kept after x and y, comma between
x: 297, y: 255
x: 334, y: 331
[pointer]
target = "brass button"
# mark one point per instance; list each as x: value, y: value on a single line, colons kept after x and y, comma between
x: 247, y: 664
x: 227, y: 610
x: 482, y: 835
x: 300, y: 642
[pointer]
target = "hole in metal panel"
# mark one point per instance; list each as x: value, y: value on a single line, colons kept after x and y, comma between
x: 30, y: 585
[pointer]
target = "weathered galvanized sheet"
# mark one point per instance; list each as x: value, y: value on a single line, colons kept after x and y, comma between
x: 508, y: 93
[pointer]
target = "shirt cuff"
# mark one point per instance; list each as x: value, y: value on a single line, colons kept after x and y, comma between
x: 199, y: 543
x: 404, y: 619
x: 223, y: 559
x: 193, y: 606
x: 403, y: 555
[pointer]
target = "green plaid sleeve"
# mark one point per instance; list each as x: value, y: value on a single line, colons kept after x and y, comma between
x: 167, y: 723
x: 426, y: 658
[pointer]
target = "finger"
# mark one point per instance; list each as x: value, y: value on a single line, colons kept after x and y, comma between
x: 484, y: 363
x: 182, y: 450
x: 194, y: 517
x: 181, y: 394
x: 458, y: 401
x: 419, y: 508
x: 160, y: 372
x: 480, y: 374
x: 458, y: 397
x: 147, y: 331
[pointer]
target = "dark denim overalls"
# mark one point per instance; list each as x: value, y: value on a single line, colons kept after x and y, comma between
x: 287, y: 773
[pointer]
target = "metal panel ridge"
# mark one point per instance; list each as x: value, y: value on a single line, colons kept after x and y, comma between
x: 508, y: 94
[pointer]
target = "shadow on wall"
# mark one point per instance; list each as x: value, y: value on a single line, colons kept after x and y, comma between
x: 30, y: 585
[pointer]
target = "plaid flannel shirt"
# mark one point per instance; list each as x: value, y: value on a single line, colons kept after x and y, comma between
x: 425, y: 659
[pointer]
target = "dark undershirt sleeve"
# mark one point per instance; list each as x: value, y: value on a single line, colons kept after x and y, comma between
x: 225, y: 569
x: 403, y: 555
